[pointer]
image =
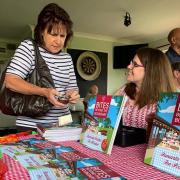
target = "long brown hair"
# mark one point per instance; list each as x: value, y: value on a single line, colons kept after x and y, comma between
x: 50, y: 16
x: 158, y: 77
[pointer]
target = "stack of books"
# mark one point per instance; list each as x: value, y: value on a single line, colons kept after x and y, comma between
x: 55, y: 133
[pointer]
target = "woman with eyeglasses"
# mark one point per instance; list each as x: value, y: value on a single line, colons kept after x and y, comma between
x: 149, y: 74
x: 176, y: 72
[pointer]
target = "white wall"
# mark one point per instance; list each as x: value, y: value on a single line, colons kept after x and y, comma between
x: 158, y: 43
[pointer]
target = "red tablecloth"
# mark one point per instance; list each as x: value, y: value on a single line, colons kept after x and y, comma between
x: 128, y: 162
x: 3, y: 169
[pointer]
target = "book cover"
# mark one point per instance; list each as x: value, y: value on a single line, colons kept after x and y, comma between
x: 86, y: 162
x: 12, y: 151
x: 63, y: 166
x: 30, y: 160
x: 101, y: 122
x: 71, y: 156
x: 31, y: 141
x: 45, y: 154
x: 61, y: 149
x: 100, y: 172
x: 163, y: 151
x: 169, y: 109
x: 44, y: 173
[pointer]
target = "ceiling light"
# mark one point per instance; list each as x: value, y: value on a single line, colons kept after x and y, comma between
x: 127, y: 19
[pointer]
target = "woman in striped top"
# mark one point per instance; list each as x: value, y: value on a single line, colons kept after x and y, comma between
x: 52, y: 33
x: 149, y: 74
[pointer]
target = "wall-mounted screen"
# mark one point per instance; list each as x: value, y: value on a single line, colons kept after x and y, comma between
x: 124, y: 54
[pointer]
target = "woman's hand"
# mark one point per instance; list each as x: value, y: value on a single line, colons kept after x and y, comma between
x: 52, y: 95
x: 73, y: 96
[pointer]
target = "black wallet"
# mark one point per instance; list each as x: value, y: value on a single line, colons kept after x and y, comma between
x: 129, y: 136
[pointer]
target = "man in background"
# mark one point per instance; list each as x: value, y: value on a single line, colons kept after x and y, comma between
x: 173, y: 52
x: 93, y: 91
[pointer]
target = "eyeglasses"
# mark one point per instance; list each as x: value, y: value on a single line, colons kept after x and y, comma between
x: 134, y: 64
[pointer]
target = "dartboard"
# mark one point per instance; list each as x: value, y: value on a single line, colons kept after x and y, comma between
x: 88, y: 65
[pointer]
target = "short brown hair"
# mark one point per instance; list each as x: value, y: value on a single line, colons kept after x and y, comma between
x: 158, y: 77
x: 172, y: 34
x: 52, y: 15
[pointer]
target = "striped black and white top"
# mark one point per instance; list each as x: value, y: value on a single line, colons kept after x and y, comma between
x: 62, y: 72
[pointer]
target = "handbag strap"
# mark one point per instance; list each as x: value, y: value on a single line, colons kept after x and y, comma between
x: 36, y: 52
x: 41, y: 68
x: 37, y: 55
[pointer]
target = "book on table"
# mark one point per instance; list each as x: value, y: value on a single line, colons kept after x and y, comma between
x: 163, y: 151
x: 101, y: 122
x: 92, y: 168
x: 47, y: 160
x: 53, y: 132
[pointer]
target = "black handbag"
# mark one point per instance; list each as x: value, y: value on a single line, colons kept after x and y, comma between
x: 129, y: 136
x: 13, y: 103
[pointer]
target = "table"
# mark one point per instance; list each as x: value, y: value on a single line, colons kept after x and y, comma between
x: 128, y: 162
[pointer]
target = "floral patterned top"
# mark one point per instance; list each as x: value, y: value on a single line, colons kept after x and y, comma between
x: 132, y: 115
